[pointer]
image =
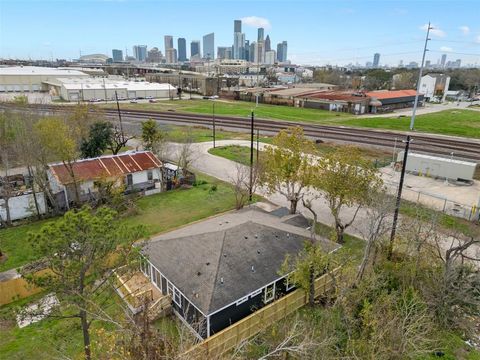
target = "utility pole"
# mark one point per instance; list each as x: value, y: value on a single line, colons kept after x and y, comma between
x: 250, y: 191
x: 119, y: 116
x: 399, y: 197
x: 105, y: 89
x: 258, y: 149
x: 213, y: 120
x: 415, y: 104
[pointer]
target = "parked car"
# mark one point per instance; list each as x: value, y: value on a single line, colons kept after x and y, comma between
x: 148, y: 97
x: 133, y: 101
x: 152, y: 100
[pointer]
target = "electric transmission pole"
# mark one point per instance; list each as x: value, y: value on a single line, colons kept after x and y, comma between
x: 412, y: 121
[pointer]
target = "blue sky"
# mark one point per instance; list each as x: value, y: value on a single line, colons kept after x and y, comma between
x: 318, y: 32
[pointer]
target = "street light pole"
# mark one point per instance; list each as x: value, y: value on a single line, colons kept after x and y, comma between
x: 415, y: 104
x: 250, y: 190
x: 399, y: 198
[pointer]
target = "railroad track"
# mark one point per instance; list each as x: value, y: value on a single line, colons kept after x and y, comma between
x: 461, y: 148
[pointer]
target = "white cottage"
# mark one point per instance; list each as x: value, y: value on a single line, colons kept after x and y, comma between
x: 139, y: 171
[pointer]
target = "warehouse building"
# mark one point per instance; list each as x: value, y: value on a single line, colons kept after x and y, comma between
x: 31, y: 78
x: 386, y: 100
x: 91, y: 89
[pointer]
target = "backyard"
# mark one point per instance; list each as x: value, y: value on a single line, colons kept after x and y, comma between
x: 158, y: 213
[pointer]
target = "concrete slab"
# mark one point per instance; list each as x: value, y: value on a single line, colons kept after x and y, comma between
x: 37, y: 311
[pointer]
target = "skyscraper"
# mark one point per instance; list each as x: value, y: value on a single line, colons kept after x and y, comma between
x: 168, y: 42
x: 237, y: 26
x: 376, y: 60
x: 224, y: 52
x: 182, y: 49
x: 444, y: 60
x: 195, y: 49
x: 261, y: 33
x: 246, y: 50
x: 140, y: 52
x: 117, y: 55
x: 282, y: 51
x: 259, y: 57
x: 209, y: 46
x: 270, y: 57
x: 267, y: 44
x: 251, y: 52
x: 154, y: 55
x: 171, y: 56
x: 238, y: 40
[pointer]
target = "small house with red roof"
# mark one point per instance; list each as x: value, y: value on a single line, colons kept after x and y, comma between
x: 138, y: 171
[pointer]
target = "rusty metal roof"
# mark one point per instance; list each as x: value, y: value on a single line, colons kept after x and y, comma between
x: 106, y: 166
x: 338, y: 95
x: 387, y: 94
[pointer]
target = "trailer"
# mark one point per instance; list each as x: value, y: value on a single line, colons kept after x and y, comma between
x: 438, y: 167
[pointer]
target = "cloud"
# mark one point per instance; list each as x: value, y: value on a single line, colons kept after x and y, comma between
x: 435, y: 30
x: 465, y: 29
x: 256, y: 22
x: 446, y: 49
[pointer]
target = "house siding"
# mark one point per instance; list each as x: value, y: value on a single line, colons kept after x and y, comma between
x: 234, y: 313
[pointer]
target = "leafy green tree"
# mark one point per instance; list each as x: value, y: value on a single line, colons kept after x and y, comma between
x: 60, y: 142
x: 286, y: 166
x: 377, y: 79
x: 152, y: 137
x: 346, y: 180
x: 99, y: 138
x: 81, y: 250
x: 305, y: 267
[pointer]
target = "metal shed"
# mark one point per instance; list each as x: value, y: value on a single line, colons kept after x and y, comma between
x: 436, y: 166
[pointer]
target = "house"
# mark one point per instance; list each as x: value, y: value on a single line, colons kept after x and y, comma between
x: 138, y: 171
x: 222, y: 269
x: 434, y: 85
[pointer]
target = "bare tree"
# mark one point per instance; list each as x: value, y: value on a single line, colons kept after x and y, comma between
x: 241, y: 183
x: 375, y: 227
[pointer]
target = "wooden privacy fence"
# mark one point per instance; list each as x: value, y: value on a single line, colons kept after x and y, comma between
x: 216, y: 345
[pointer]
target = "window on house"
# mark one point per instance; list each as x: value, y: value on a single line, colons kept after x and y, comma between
x: 150, y: 175
x: 129, y: 180
x: 156, y: 278
x: 176, y: 297
x: 242, y: 300
x: 289, y: 284
x: 169, y: 288
x: 256, y: 293
x: 269, y: 293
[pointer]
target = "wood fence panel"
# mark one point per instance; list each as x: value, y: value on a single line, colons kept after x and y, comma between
x: 227, y: 339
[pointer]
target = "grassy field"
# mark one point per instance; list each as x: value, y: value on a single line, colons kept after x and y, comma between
x: 238, y: 108
x: 464, y: 123
x: 241, y: 154
x: 158, y: 213
x: 180, y: 134
x: 237, y: 153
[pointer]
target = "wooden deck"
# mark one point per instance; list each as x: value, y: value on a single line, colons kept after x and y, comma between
x: 137, y: 291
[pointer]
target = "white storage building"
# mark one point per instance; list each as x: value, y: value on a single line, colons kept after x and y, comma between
x: 31, y: 78
x: 436, y: 166
x: 71, y: 89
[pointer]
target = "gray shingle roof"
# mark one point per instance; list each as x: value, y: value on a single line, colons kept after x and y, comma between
x: 197, y: 257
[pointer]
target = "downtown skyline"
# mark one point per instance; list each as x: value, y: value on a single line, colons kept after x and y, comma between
x: 393, y: 29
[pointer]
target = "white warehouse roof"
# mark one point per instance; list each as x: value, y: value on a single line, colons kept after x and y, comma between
x: 100, y: 83
x: 38, y: 70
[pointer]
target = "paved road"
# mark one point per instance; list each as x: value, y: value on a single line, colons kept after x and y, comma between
x: 226, y: 170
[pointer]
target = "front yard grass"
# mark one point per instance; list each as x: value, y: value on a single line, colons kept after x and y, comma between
x: 158, y: 213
